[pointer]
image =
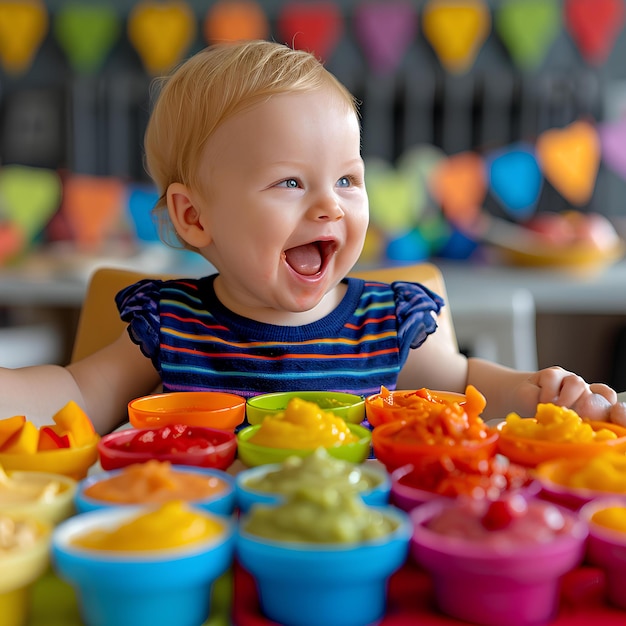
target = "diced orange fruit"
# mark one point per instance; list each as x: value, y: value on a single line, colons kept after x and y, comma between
x: 9, y: 426
x: 50, y: 440
x: 71, y: 419
x: 24, y: 441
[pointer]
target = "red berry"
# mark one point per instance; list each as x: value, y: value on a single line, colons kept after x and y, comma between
x: 498, y: 515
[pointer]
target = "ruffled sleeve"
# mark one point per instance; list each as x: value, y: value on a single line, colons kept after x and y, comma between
x: 139, y: 306
x: 416, y: 311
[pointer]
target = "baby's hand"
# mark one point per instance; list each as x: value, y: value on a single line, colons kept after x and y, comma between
x: 593, y: 401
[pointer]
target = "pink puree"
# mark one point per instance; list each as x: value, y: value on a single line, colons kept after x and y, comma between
x: 518, y: 522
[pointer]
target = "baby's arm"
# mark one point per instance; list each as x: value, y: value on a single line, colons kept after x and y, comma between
x: 508, y: 390
x: 102, y: 384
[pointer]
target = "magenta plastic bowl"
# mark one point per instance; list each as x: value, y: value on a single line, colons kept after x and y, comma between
x: 219, y: 456
x: 491, y: 586
x: 606, y: 549
x: 407, y: 497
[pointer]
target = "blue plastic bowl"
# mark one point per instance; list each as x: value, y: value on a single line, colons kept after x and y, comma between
x: 247, y: 496
x: 142, y: 588
x: 309, y: 584
x: 222, y: 503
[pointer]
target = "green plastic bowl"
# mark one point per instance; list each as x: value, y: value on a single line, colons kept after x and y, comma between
x: 252, y: 454
x: 347, y: 406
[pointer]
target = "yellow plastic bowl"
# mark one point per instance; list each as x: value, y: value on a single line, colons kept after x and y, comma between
x: 252, y: 454
x: 72, y: 462
x: 53, y: 510
x: 19, y: 569
x: 211, y: 409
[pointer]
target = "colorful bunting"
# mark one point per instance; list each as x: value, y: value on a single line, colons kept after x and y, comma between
x: 235, y: 20
x: 528, y: 29
x: 23, y: 27
x: 162, y: 33
x: 92, y: 206
x: 313, y: 26
x: 87, y: 33
x: 456, y: 29
x: 594, y: 25
x: 515, y: 179
x: 385, y: 30
x: 570, y: 158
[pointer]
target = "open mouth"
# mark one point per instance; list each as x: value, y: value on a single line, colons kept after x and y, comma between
x: 310, y: 258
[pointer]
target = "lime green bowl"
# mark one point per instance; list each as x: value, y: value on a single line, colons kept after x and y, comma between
x: 349, y: 407
x: 252, y: 454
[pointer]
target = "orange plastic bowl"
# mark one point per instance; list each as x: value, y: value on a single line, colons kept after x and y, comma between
x: 379, y: 411
x: 210, y: 409
x: 531, y: 452
x: 394, y: 452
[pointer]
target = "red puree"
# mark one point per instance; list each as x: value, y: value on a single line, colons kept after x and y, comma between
x: 167, y: 440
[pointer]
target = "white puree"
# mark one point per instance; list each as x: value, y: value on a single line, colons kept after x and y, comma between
x: 25, y: 488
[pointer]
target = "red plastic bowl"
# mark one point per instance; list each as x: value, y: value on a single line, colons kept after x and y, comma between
x: 393, y: 452
x: 220, y: 456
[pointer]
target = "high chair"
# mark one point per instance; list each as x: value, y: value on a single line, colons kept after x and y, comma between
x: 99, y: 323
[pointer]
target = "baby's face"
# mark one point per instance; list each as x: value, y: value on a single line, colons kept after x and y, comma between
x: 286, y: 204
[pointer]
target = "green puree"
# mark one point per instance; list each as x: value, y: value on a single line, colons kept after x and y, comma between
x: 318, y: 468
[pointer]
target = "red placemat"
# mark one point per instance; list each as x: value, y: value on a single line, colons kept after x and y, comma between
x: 410, y: 601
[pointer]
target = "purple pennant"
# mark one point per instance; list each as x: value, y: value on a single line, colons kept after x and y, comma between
x: 385, y: 30
x: 613, y: 145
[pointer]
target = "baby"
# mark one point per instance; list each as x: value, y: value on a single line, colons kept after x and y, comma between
x: 255, y: 149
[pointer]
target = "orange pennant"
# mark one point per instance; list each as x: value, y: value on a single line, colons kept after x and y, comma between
x: 92, y: 207
x: 570, y: 158
x: 235, y: 20
x: 23, y: 26
x: 459, y: 184
x: 456, y: 29
x: 162, y: 33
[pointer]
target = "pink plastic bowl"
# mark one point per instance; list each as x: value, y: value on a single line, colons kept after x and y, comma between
x: 484, y: 585
x: 606, y: 549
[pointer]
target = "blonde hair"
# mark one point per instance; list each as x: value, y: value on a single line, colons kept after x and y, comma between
x: 209, y: 88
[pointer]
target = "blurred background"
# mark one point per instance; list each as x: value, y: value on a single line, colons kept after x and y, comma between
x: 493, y: 132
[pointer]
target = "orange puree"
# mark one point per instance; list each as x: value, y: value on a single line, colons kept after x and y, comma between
x: 154, y: 482
x: 303, y: 425
x: 172, y: 525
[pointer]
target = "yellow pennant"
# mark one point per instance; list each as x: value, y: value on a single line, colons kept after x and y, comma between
x: 456, y: 30
x: 162, y: 33
x: 570, y: 158
x: 23, y: 26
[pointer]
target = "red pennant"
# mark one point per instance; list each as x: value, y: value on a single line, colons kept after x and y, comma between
x: 594, y: 25
x: 312, y: 26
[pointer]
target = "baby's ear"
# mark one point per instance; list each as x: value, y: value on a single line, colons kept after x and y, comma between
x: 186, y: 217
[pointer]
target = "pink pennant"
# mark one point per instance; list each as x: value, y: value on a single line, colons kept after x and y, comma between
x: 613, y: 145
x: 312, y: 26
x: 385, y: 30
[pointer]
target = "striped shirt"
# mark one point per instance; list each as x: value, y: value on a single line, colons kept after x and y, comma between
x: 195, y: 343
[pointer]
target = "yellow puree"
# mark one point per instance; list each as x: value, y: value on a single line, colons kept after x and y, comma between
x: 27, y: 489
x: 555, y: 423
x: 303, y: 425
x: 172, y: 525
x: 613, y: 517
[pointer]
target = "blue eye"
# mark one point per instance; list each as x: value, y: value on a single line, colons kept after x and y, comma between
x: 344, y: 181
x: 290, y: 183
